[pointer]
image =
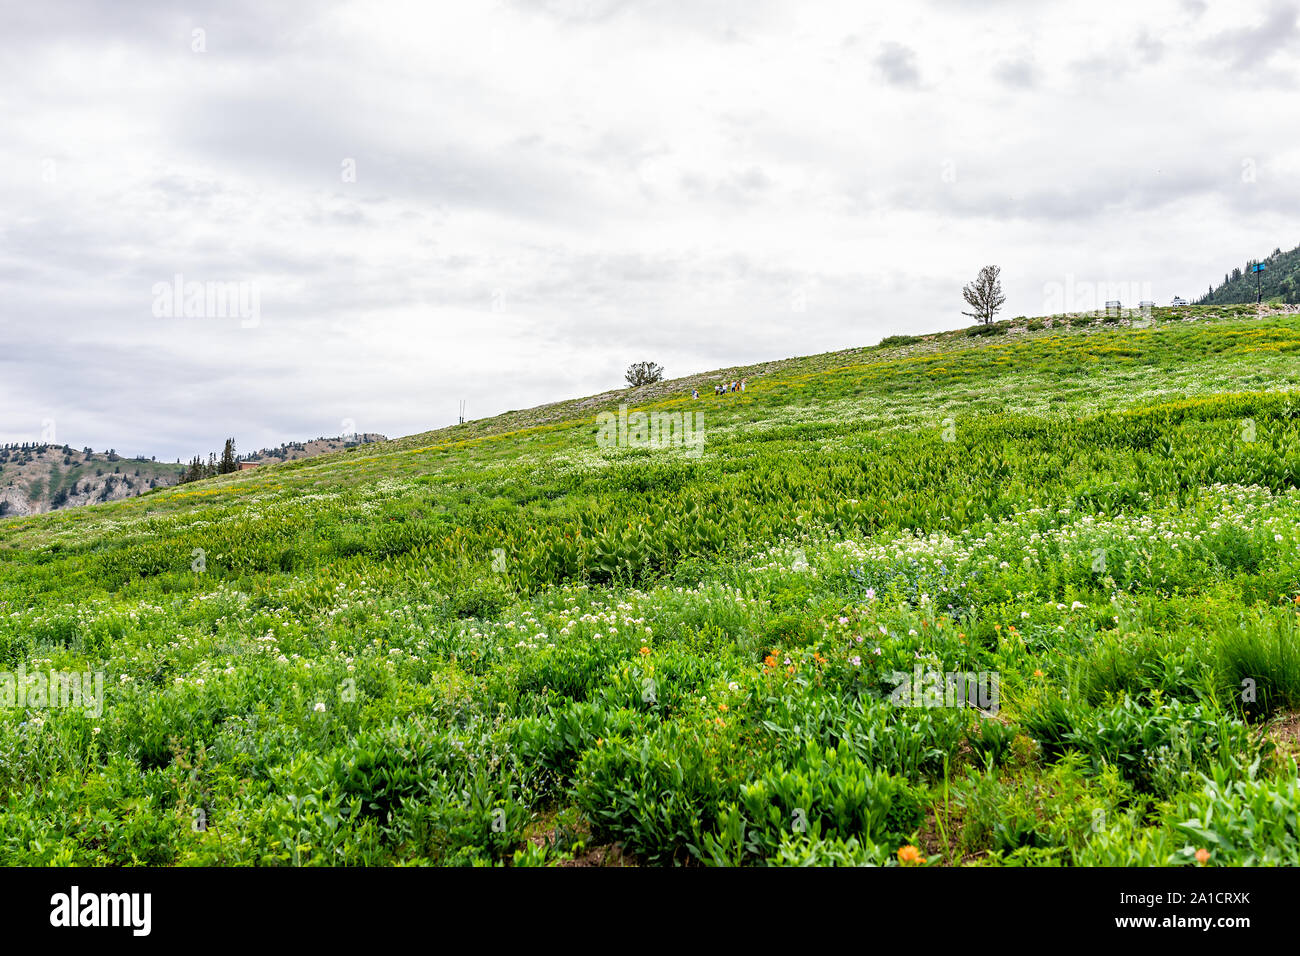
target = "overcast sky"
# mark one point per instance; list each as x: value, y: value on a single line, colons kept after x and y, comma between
x: 509, y: 202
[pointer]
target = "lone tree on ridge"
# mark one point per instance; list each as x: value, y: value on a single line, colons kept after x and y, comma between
x: 984, y: 295
x: 643, y: 373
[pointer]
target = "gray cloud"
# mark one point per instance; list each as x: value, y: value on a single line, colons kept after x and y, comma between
x: 1150, y: 49
x: 1021, y: 73
x: 896, y: 63
x: 1254, y: 47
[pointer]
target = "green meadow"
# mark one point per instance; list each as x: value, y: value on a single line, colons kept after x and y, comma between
x: 507, y: 643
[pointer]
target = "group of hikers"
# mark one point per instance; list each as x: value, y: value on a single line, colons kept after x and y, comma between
x: 723, y: 388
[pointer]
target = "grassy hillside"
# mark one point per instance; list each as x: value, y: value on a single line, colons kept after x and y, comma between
x: 1279, y: 282
x: 506, y: 642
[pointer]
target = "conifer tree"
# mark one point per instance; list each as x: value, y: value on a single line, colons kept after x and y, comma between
x: 228, y: 462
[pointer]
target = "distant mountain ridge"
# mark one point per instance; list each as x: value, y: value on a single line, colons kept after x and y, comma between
x: 1280, y: 280
x: 36, y: 477
x: 292, y: 451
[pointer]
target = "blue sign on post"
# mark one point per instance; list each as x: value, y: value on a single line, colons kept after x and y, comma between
x: 1257, y: 269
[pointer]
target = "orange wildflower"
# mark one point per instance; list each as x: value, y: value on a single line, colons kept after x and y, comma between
x: 1202, y: 856
x: 644, y: 649
x: 910, y: 856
